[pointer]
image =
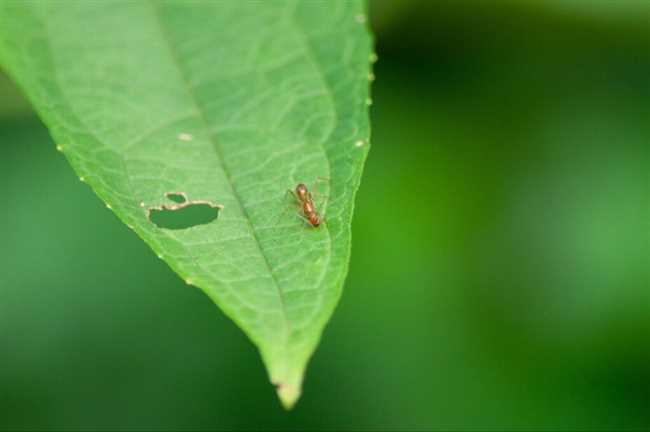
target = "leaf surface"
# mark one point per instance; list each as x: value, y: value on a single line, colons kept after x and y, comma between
x: 226, y: 103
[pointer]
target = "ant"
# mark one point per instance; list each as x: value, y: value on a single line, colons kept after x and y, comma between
x: 306, y: 201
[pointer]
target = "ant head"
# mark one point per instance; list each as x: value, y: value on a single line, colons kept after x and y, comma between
x: 301, y: 190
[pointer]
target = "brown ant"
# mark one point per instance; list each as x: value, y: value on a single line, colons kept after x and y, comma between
x: 306, y: 201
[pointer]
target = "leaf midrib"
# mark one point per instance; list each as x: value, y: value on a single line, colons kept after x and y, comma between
x: 215, y: 146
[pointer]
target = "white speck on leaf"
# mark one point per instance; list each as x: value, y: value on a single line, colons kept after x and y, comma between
x: 359, y: 143
x: 184, y: 136
x: 59, y: 147
x: 360, y: 18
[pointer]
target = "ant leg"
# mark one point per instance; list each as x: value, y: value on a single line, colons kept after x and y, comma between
x: 315, y: 188
x: 323, y: 207
x: 317, y: 182
x: 287, y: 208
x: 325, y: 197
x: 303, y: 218
x: 289, y: 192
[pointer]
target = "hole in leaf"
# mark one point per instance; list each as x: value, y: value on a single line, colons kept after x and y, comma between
x: 176, y: 197
x: 183, y: 217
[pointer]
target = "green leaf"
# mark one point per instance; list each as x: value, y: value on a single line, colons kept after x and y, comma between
x: 229, y: 104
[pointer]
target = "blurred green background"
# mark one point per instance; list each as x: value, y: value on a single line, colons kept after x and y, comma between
x: 499, y: 277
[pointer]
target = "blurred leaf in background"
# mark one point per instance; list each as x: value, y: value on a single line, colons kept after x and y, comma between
x: 499, y: 277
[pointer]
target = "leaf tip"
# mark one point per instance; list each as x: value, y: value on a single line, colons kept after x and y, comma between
x: 288, y: 394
